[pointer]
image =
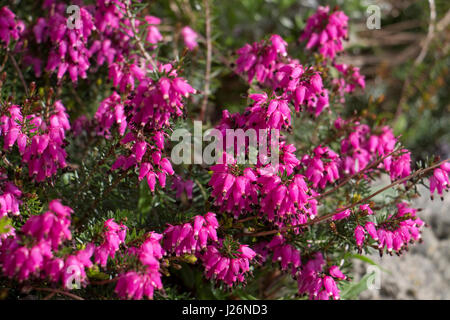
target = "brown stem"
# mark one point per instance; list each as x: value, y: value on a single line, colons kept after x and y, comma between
x: 138, y: 39
x: 208, y: 59
x: 57, y: 291
x: 19, y: 72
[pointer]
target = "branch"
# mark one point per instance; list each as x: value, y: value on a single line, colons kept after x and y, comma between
x: 418, y: 60
x: 208, y: 60
x: 19, y: 72
x: 55, y: 291
x: 430, y: 34
x: 138, y: 39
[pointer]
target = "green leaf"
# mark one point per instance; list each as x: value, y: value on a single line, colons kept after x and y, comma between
x: 367, y: 260
x: 352, y: 291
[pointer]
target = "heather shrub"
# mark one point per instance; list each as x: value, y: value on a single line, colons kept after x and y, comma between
x: 122, y: 177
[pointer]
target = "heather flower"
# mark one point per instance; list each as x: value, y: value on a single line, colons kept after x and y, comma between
x: 52, y: 226
x: 43, y: 152
x: 350, y: 80
x: 440, y: 179
x: 359, y: 236
x: 137, y: 284
x: 342, y: 214
x: 320, y: 172
x: 153, y: 34
x: 69, y: 51
x: 9, y: 197
x: 113, y: 236
x: 180, y: 186
x: 229, y: 269
x: 313, y: 281
x: 396, y: 232
x: 111, y: 111
x: 287, y: 255
x: 10, y: 27
x: 303, y: 87
x: 74, y: 268
x: 189, y: 38
x: 191, y: 237
x: 325, y: 31
x: 234, y: 189
x: 259, y: 59
x: 286, y: 202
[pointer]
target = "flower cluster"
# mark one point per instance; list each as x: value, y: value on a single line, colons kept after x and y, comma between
x: 316, y: 282
x: 189, y: 38
x: 322, y: 167
x: 395, y: 233
x: 301, y: 86
x: 440, y: 179
x: 260, y: 59
x: 111, y: 111
x: 180, y: 185
x: 350, y: 80
x: 147, y: 110
x: 286, y: 204
x: 137, y: 284
x: 40, y: 138
x: 10, y: 27
x: 113, y: 237
x: 362, y: 147
x: 325, y: 31
x: 234, y: 189
x: 230, y: 270
x: 10, y: 197
x: 34, y: 254
x: 69, y: 46
x: 191, y: 237
x: 286, y: 254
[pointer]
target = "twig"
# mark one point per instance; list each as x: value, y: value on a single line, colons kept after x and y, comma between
x: 138, y: 40
x: 19, y: 72
x: 208, y: 59
x: 55, y: 291
x: 5, y: 59
x: 418, y: 60
x: 430, y: 34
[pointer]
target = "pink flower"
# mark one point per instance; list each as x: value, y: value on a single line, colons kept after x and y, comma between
x: 440, y: 179
x: 260, y: 58
x: 342, y: 214
x: 326, y: 31
x: 10, y: 27
x: 190, y: 238
x: 230, y: 270
x: 189, y: 38
x: 111, y: 111
x: 113, y: 237
x: 320, y: 172
x: 359, y: 236
x: 181, y: 186
x: 137, y: 284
